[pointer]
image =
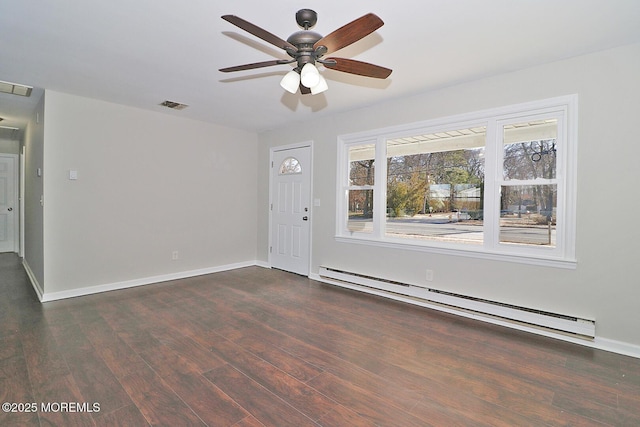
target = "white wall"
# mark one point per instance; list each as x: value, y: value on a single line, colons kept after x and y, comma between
x: 604, y: 286
x: 148, y: 184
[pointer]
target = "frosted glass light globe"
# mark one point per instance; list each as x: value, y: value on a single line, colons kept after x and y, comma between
x: 309, y: 75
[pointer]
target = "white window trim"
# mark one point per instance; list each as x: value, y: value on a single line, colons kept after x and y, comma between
x: 562, y: 256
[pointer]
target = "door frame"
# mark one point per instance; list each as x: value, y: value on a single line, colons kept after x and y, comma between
x: 23, y: 160
x: 272, y: 150
x: 16, y: 200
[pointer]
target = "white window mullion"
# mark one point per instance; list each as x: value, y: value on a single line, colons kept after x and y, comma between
x: 380, y: 190
x: 342, y: 188
x: 493, y: 158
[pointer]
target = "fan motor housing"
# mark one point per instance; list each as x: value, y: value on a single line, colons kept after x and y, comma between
x: 304, y: 39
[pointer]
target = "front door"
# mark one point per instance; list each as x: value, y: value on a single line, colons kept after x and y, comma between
x: 290, y: 209
x: 8, y: 203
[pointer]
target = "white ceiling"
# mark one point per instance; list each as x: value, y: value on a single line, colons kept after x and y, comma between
x: 142, y: 52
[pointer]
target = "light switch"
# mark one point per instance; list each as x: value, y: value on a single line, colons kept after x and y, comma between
x: 73, y: 174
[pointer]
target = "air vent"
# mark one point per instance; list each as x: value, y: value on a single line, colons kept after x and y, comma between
x: 15, y: 89
x: 174, y: 105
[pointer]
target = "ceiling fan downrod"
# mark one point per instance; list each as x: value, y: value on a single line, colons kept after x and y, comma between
x: 305, y: 40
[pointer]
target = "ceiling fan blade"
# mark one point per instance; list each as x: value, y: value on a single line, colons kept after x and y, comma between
x: 350, y: 33
x: 357, y: 67
x: 304, y: 90
x: 259, y: 32
x: 254, y: 65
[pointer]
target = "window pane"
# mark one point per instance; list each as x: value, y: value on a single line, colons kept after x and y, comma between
x: 360, y: 211
x: 361, y: 167
x: 435, y: 186
x: 290, y: 165
x: 530, y: 150
x: 528, y: 214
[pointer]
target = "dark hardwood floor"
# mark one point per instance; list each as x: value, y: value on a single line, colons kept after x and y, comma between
x: 259, y: 347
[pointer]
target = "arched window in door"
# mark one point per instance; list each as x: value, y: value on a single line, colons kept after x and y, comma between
x: 290, y: 165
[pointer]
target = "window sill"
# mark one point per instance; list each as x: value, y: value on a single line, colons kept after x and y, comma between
x: 477, y: 252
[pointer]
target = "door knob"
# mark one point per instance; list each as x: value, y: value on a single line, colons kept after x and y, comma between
x: 10, y: 209
x: 305, y: 218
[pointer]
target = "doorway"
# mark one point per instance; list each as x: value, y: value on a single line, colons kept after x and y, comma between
x: 8, y: 203
x: 290, y: 209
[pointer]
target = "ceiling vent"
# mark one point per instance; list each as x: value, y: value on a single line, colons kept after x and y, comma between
x: 174, y: 105
x: 15, y: 89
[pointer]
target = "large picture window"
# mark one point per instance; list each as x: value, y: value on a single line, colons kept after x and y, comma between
x: 497, y: 184
x: 435, y: 184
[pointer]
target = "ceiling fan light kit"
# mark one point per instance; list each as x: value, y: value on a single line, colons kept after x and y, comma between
x: 291, y: 81
x: 306, y: 48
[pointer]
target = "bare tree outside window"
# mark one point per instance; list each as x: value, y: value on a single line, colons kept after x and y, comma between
x: 360, y: 192
x: 529, y: 192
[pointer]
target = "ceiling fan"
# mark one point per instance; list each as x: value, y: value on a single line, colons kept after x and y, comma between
x: 306, y: 48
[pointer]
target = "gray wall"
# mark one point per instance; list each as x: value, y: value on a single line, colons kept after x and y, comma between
x: 604, y: 286
x: 148, y: 184
x: 34, y: 189
x: 8, y: 146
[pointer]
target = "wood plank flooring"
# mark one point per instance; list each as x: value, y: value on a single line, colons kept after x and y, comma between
x: 258, y: 347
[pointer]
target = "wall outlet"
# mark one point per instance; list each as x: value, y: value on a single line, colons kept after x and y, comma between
x: 429, y: 276
x: 174, y: 255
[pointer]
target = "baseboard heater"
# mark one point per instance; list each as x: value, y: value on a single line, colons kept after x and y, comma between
x: 582, y: 328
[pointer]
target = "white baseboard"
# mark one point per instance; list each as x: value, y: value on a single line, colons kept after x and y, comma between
x: 605, y: 344
x: 619, y: 347
x: 600, y: 343
x: 72, y: 293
